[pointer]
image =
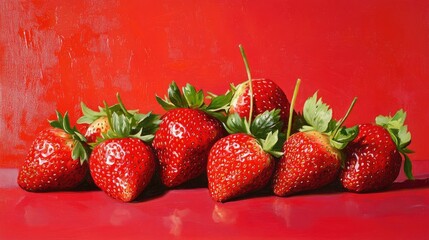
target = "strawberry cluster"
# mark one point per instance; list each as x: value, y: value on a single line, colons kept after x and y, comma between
x: 248, y: 139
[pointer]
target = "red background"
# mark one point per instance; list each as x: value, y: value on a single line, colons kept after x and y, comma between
x: 54, y: 54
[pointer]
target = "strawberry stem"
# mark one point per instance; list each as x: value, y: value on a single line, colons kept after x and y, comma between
x: 339, y: 124
x: 108, y: 113
x: 122, y: 106
x: 249, y: 77
x: 292, y: 105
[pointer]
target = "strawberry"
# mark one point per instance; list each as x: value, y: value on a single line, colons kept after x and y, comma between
x: 98, y: 123
x: 312, y: 158
x: 56, y: 160
x: 187, y: 132
x: 243, y: 162
x: 122, y: 162
x: 373, y: 159
x: 266, y: 96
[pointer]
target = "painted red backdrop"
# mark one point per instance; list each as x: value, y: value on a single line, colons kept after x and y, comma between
x: 55, y: 54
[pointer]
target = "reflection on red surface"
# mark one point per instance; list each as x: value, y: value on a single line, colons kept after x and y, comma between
x: 189, y: 213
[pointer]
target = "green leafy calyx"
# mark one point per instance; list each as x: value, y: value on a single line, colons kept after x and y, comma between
x: 265, y: 128
x: 189, y: 97
x: 318, y: 117
x: 89, y: 115
x: 80, y: 149
x: 400, y: 135
x: 128, y: 123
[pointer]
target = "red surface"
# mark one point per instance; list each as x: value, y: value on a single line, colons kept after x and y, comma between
x: 398, y: 213
x: 54, y: 54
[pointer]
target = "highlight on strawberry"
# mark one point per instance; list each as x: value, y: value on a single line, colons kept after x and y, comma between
x: 188, y: 130
x: 313, y: 157
x: 57, y: 159
x: 243, y: 162
x: 373, y: 158
x: 122, y: 162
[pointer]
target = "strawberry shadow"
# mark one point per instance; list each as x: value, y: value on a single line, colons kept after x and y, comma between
x: 156, y: 189
x: 410, y: 184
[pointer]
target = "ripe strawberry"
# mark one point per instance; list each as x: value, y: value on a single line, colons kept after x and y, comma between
x: 373, y: 159
x: 98, y: 123
x: 187, y: 132
x: 243, y: 162
x: 56, y: 160
x: 267, y: 96
x: 121, y: 163
x: 312, y: 157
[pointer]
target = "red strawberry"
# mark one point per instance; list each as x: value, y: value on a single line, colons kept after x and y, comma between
x: 312, y: 158
x: 122, y: 167
x: 374, y: 157
x: 121, y: 163
x: 242, y: 162
x: 267, y: 96
x: 56, y: 160
x: 186, y: 134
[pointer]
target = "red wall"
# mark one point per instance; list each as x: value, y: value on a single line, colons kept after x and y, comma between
x: 54, y: 54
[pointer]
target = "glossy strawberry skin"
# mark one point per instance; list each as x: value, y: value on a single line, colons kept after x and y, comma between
x: 237, y: 165
x: 123, y: 167
x: 95, y: 129
x: 372, y: 160
x: 267, y: 96
x: 49, y: 165
x: 308, y: 163
x: 182, y: 144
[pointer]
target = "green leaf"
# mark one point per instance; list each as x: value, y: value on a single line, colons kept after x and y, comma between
x: 344, y: 136
x: 306, y: 128
x: 270, y: 142
x: 122, y: 107
x: 408, y: 167
x: 395, y: 126
x: 221, y: 116
x: 165, y: 103
x: 265, y: 123
x: 235, y: 124
x: 317, y: 114
x: 406, y: 151
x: 66, y: 124
x: 76, y: 151
x: 400, y: 116
x: 79, y: 136
x: 121, y: 125
x: 147, y: 124
x: 193, y: 98
x: 221, y: 102
x: 89, y: 115
x: 176, y: 97
x: 56, y: 124
x: 404, y: 137
x: 400, y: 136
x: 80, y: 152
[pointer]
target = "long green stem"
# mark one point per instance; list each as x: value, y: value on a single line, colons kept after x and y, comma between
x: 249, y: 77
x: 339, y: 124
x: 108, y: 114
x: 292, y: 105
x: 121, y: 105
